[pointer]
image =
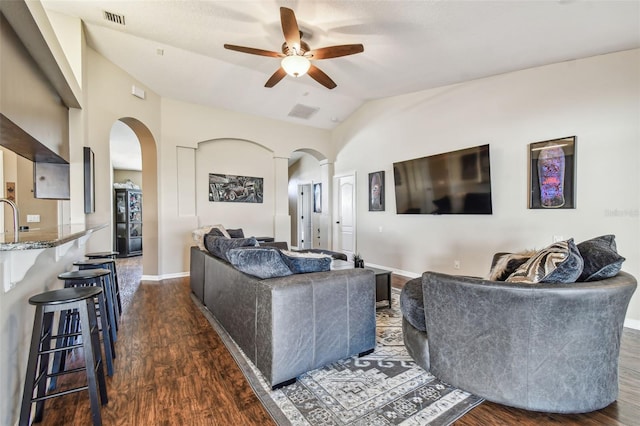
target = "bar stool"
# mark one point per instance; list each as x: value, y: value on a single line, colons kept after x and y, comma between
x: 104, y: 263
x: 47, y: 304
x: 98, y: 278
x: 109, y: 255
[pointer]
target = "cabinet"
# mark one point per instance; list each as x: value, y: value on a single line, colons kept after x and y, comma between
x: 128, y: 222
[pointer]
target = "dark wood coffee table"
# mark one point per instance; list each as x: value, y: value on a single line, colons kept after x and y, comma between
x: 383, y: 279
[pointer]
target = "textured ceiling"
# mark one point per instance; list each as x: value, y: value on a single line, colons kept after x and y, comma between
x: 409, y: 45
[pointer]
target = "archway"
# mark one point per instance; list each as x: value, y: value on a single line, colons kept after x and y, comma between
x: 149, y: 153
x: 309, y: 189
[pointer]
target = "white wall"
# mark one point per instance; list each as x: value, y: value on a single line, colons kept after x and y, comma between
x: 595, y: 99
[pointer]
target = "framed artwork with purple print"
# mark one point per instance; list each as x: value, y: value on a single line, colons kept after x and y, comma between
x: 552, y: 174
x: 376, y: 191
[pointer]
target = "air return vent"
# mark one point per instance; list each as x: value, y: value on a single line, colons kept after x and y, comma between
x: 302, y: 111
x: 114, y: 17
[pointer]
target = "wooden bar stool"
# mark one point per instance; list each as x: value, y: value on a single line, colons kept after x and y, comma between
x: 98, y: 278
x: 80, y: 299
x: 104, y: 263
x: 109, y: 255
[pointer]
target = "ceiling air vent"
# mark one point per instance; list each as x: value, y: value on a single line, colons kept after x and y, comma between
x: 302, y: 111
x: 114, y: 17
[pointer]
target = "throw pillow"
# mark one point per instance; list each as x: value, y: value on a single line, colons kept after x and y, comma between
x: 219, y: 246
x: 507, y: 264
x: 236, y: 233
x: 261, y: 262
x: 198, y: 236
x: 412, y: 304
x: 302, y: 263
x: 559, y: 263
x: 601, y: 258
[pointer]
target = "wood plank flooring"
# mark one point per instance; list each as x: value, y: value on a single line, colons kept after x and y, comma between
x: 173, y: 369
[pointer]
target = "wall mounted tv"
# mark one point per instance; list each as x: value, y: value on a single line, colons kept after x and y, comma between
x: 457, y: 182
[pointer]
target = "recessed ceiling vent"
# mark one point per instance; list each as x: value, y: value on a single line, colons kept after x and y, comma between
x: 302, y: 111
x: 114, y: 17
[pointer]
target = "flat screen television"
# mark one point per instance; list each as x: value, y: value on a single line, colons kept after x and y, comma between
x: 457, y: 182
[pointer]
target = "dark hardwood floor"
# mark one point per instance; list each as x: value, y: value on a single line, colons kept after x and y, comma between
x: 173, y: 369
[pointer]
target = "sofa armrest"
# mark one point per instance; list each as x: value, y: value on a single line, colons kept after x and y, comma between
x: 542, y: 347
x: 305, y: 321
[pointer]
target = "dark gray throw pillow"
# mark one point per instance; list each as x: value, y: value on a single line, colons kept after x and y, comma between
x: 303, y: 263
x: 601, y: 258
x: 558, y: 263
x: 412, y: 304
x: 236, y: 233
x: 261, y: 262
x: 219, y: 246
x: 216, y: 232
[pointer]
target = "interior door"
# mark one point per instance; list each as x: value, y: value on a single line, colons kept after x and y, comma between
x: 305, y: 236
x: 346, y: 218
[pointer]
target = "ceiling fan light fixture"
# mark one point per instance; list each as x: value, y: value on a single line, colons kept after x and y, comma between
x: 295, y: 65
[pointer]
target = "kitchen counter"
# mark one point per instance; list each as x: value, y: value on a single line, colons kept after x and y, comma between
x: 43, y: 238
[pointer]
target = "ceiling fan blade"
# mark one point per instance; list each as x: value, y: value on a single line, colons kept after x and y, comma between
x: 336, y: 51
x: 318, y: 75
x: 276, y: 77
x: 290, y: 28
x: 253, y: 51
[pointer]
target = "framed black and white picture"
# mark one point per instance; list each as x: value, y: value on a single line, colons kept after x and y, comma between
x: 235, y: 189
x: 552, y: 174
x: 317, y: 198
x: 89, y: 168
x: 376, y: 191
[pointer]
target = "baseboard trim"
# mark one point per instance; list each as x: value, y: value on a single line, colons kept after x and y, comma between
x: 395, y: 271
x: 164, y: 277
x: 631, y: 323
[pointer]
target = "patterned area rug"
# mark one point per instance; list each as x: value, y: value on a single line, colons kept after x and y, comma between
x: 383, y: 388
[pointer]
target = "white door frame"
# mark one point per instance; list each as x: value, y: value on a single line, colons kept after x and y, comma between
x: 304, y: 209
x: 335, y: 226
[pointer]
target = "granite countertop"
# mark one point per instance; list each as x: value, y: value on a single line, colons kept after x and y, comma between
x: 41, y: 238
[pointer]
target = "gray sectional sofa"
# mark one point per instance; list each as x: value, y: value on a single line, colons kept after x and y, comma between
x: 292, y: 324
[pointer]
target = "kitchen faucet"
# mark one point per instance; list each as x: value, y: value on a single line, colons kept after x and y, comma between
x: 15, y: 217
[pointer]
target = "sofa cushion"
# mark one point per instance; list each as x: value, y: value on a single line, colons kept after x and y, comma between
x: 219, y: 246
x: 412, y: 304
x: 601, y: 258
x: 236, y: 233
x: 261, y: 262
x: 507, y: 264
x: 302, y: 263
x: 558, y: 263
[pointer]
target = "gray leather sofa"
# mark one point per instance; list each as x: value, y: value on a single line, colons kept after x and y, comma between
x: 541, y: 347
x: 289, y: 325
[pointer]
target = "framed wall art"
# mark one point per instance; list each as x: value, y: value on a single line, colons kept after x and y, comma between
x: 552, y: 174
x: 89, y: 170
x: 317, y: 198
x: 376, y: 191
x: 235, y: 189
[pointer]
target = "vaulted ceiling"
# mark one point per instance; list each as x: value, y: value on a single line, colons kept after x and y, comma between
x: 176, y: 47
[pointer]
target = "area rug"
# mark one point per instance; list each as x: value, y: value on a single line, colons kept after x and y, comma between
x: 383, y: 388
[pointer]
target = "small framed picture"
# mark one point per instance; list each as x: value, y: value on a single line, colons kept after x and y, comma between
x: 317, y: 198
x: 376, y: 191
x: 552, y: 174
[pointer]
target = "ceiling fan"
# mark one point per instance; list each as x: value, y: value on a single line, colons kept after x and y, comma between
x: 297, y: 55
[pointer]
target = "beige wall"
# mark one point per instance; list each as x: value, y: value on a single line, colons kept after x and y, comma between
x: 121, y: 176
x: 269, y: 143
x: 595, y: 99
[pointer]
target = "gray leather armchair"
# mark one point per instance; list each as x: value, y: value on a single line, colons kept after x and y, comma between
x: 541, y: 347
